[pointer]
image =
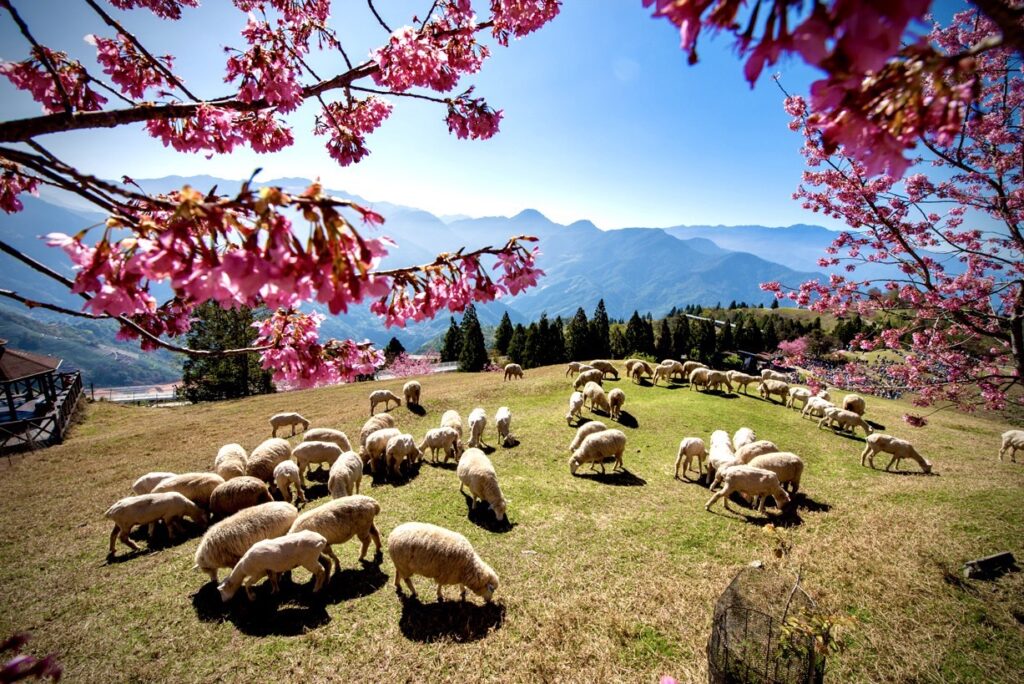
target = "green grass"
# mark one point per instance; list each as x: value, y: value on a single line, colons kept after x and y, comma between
x: 609, y: 579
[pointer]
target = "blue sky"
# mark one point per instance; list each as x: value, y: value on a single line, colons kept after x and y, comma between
x: 603, y: 120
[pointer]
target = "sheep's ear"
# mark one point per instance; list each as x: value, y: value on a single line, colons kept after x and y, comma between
x: 491, y: 588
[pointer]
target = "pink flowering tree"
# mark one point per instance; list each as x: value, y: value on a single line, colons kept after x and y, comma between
x: 403, y: 365
x: 242, y: 249
x: 951, y: 232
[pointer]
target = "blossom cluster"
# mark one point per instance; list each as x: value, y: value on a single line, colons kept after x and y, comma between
x: 13, y: 184
x: 127, y: 67
x: 32, y: 75
x: 268, y: 68
x: 348, y: 125
x: 472, y: 118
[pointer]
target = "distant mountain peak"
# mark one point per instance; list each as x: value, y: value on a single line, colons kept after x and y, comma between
x: 530, y: 215
x: 582, y: 224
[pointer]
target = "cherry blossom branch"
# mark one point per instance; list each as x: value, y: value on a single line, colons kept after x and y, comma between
x: 34, y: 304
x: 1008, y: 18
x: 43, y: 56
x: 377, y: 16
x: 392, y: 93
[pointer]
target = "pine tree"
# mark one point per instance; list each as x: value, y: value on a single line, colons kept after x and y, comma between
x: 769, y: 337
x: 577, y: 338
x: 775, y: 304
x: 541, y: 354
x: 639, y: 337
x: 212, y: 378
x: 393, y: 349
x: 663, y: 346
x: 681, y: 338
x: 618, y: 344
x: 599, y: 332
x: 452, y: 345
x: 503, y: 334
x: 533, y: 346
x: 725, y: 339
x: 706, y: 342
x: 473, y: 355
x: 556, y: 341
x: 517, y: 345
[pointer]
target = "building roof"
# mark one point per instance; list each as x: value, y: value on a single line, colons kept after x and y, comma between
x: 16, y: 364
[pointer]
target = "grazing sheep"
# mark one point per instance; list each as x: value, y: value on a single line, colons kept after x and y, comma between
x: 747, y: 453
x: 280, y: 420
x: 899, y: 448
x: 721, y: 438
x: 441, y: 555
x: 823, y: 393
x: 786, y: 465
x: 573, y: 368
x: 399, y: 449
x: 270, y: 558
x: 741, y: 379
x: 230, y: 461
x: 453, y: 420
x: 226, y: 542
x: 513, y: 370
x: 592, y: 375
x: 660, y: 372
x: 689, y: 448
x: 675, y: 368
x: 594, y: 393
x: 720, y: 453
x: 630, y: 363
x: 445, y: 438
x: 751, y: 482
x: 1012, y: 441
x: 595, y: 448
x: 146, y: 509
x: 575, y: 407
x: 238, y: 493
x: 770, y: 387
x: 639, y: 370
x: 286, y: 474
x: 345, y: 476
x: 616, y: 398
x: 383, y: 396
x: 308, y: 453
x: 846, y: 420
x: 801, y: 394
x: 854, y: 403
x: 145, y: 484
x: 477, y: 423
x: 376, y: 447
x: 197, y: 487
x: 689, y: 367
x: 605, y: 367
x: 699, y: 377
x: 585, y: 431
x: 503, y: 421
x: 768, y: 374
x: 742, y: 438
x: 340, y: 520
x: 476, y: 471
x: 263, y: 458
x: 378, y: 422
x: 716, y: 379
x: 328, y: 435
x: 411, y: 392
x: 815, y: 407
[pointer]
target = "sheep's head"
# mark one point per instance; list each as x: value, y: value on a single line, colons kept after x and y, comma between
x: 781, y: 498
x: 227, y: 590
x: 761, y: 389
x: 926, y: 466
x: 489, y: 582
x: 499, y: 509
x: 573, y: 465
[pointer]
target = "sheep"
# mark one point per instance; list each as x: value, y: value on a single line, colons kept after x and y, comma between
x: 899, y: 448
x: 308, y: 453
x: 441, y: 555
x: 575, y: 407
x: 675, y: 368
x: 846, y: 420
x: 271, y: 557
x: 513, y: 370
x: 823, y: 393
x: 345, y: 476
x: 747, y: 453
x: 328, y: 435
x: 145, y: 484
x: 585, y: 431
x: 854, y: 403
x: 769, y: 387
x: 453, y: 420
x: 752, y: 482
x: 743, y: 437
x: 444, y: 438
x: 263, y: 458
x: 616, y: 398
x: 503, y: 421
x: 383, y: 396
x: 595, y: 448
x: 1011, y: 442
x: 630, y: 364
x: 741, y: 379
x: 411, y: 391
x: 594, y: 393
x: 769, y: 374
x: 340, y: 520
x: 378, y: 422
x: 230, y: 461
x: 376, y: 447
x: 689, y: 366
x: 801, y: 394
x: 640, y: 369
x: 786, y: 465
x: 605, y: 367
x: 286, y: 474
x: 716, y: 379
x: 227, y: 541
x: 477, y: 423
x: 280, y: 420
x: 476, y: 471
x: 699, y: 377
x: 721, y: 438
x: 573, y: 368
x: 195, y: 486
x: 815, y: 407
x: 146, y: 509
x: 399, y: 449
x: 689, y: 448
x: 661, y: 372
x: 592, y: 375
x: 238, y: 493
x: 720, y: 453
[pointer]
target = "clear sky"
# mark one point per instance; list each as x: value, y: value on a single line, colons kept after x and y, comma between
x: 603, y: 121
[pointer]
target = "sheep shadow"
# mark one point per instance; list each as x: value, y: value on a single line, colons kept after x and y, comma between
x: 160, y: 540
x: 644, y: 382
x: 848, y: 435
x: 267, y: 614
x: 874, y: 425
x: 443, y: 465
x: 353, y: 583
x: 487, y: 448
x: 720, y: 393
x: 511, y: 443
x: 906, y: 473
x: 131, y: 555
x: 805, y: 503
x: 321, y: 474
x: 672, y: 386
x: 384, y: 476
x: 627, y: 419
x: 314, y: 492
x: 483, y: 516
x: 618, y: 478
x: 416, y: 409
x: 458, y: 621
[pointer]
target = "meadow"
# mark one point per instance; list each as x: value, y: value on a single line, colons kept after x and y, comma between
x: 603, y: 578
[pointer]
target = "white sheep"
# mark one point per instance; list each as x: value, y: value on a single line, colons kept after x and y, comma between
x: 328, y: 435
x: 854, y: 403
x: 195, y: 486
x: 846, y: 420
x: 823, y: 393
x: 376, y: 447
x: 742, y: 379
x: 675, y: 368
x: 513, y: 370
x: 639, y: 370
x: 616, y: 398
x: 815, y: 407
x: 270, y: 558
x: 605, y: 367
x: 592, y: 375
x: 594, y: 393
x: 720, y: 453
x: 751, y: 482
x: 690, y: 448
x: 1012, y: 441
x: 268, y: 454
x: 721, y: 438
x: 629, y: 363
x: 699, y: 377
x: 660, y: 372
x: 689, y: 366
x: 345, y: 476
x: 742, y: 438
x: 442, y: 438
x: 227, y: 541
x: 503, y: 421
x: 575, y: 407
x: 477, y: 472
x: 383, y: 396
x: 146, y: 509
x: 321, y: 453
x: 801, y: 394
x: 380, y: 421
x: 596, y: 447
x: 769, y: 374
x: 747, y: 453
x: 340, y: 520
x: 286, y: 476
x: 400, y: 448
x: 717, y: 379
x: 786, y: 465
x: 584, y: 431
x: 899, y: 448
x: 770, y: 387
x: 230, y: 461
x: 238, y: 493
x: 280, y: 420
x: 145, y: 484
x: 477, y: 423
x: 452, y: 419
x: 441, y: 555
x: 573, y: 368
x: 411, y: 391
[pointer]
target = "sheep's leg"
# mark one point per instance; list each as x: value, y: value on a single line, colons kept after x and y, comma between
x: 318, y: 571
x: 408, y: 583
x: 334, y: 559
x: 864, y: 454
x: 714, y: 497
x: 440, y: 594
x: 126, y: 540
x: 113, y: 538
x: 273, y: 433
x: 274, y: 586
x: 375, y: 535
x: 892, y: 460
x: 762, y: 500
x: 686, y: 465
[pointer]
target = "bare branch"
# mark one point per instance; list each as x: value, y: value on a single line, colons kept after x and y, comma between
x: 43, y: 57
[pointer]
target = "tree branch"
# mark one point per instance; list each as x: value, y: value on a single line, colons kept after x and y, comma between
x: 43, y: 57
x: 1008, y: 18
x: 33, y: 304
x: 375, y: 14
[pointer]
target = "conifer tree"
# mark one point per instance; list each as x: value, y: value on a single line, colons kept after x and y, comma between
x: 556, y: 341
x: 225, y: 377
x: 452, y: 342
x: 577, y: 338
x: 618, y: 344
x: 503, y: 334
x: 663, y: 345
x: 473, y: 355
x: 517, y: 345
x: 681, y: 338
x: 599, y: 332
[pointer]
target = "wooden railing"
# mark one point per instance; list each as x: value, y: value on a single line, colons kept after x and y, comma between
x: 49, y: 428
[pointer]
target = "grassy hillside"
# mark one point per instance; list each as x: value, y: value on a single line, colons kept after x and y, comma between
x: 602, y: 578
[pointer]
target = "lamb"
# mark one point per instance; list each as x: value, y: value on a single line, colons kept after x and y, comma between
x: 741, y: 379
x: 441, y: 555
x: 195, y: 486
x: 345, y: 476
x: 846, y: 420
x: 238, y: 493
x: 746, y: 454
x: 378, y: 422
x: 770, y: 387
x: 411, y: 392
x: 616, y: 398
x: 503, y: 421
x: 513, y: 370
x: 592, y: 375
x: 585, y: 431
x: 286, y: 475
x: 605, y: 367
x: 1011, y: 442
x: 815, y: 407
x: 445, y: 438
x: 751, y: 482
x: 594, y: 393
x: 476, y: 471
x: 227, y: 541
x: 689, y: 448
x: 340, y: 520
x: 575, y: 407
x: 786, y: 465
x: 699, y: 377
x: 145, y: 484
x: 308, y: 453
x: 453, y: 420
x: 399, y: 449
x: 230, y: 461
x: 574, y: 368
x: 640, y: 369
x: 721, y: 438
x: 720, y: 455
x: 376, y: 447
x: 328, y: 435
x: 823, y: 393
x: 280, y: 420
x: 271, y: 557
x: 675, y: 368
x: 716, y: 379
x: 742, y: 438
x: 801, y: 394
x: 383, y: 396
x: 661, y: 372
x: 899, y: 448
x: 477, y: 423
x: 854, y: 403
x: 769, y: 374
x: 689, y: 367
x: 263, y: 458
x: 630, y: 363
x: 595, y: 448
x: 146, y: 509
